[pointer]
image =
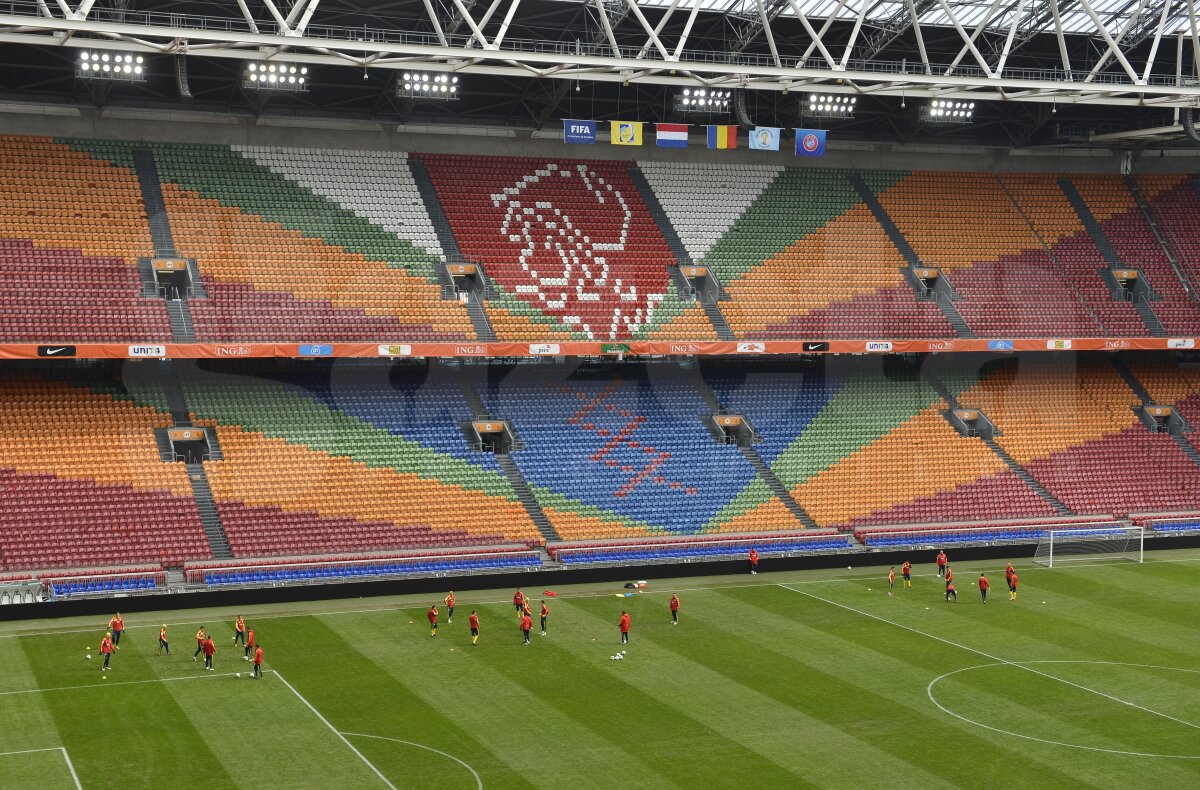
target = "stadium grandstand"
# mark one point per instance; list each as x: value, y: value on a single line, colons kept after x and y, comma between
x: 322, y: 318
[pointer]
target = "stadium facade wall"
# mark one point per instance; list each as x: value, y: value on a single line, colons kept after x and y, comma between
x: 241, y: 598
x: 124, y: 124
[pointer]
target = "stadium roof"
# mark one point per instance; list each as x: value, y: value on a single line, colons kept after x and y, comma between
x: 1097, y: 65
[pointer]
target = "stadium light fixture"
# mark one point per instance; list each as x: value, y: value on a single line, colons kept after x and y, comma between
x: 703, y: 100
x: 829, y: 106
x: 425, y: 86
x: 275, y: 76
x: 947, y: 111
x: 111, y: 66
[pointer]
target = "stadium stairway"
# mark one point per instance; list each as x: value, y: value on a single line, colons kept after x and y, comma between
x: 682, y: 258
x: 1132, y: 380
x: 953, y: 317
x: 218, y: 541
x: 526, y: 498
x: 764, y: 471
x: 156, y: 210
x: 1104, y: 244
x: 1163, y: 242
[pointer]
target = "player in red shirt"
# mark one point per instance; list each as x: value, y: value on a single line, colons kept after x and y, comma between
x: 906, y: 573
x: 674, y: 609
x: 519, y: 603
x: 162, y: 640
x: 117, y: 626
x: 1012, y: 587
x: 891, y: 579
x: 1008, y: 574
x: 474, y: 621
x: 210, y: 650
x: 258, y: 662
x: 450, y: 607
x: 432, y: 614
x: 106, y: 648
x: 941, y: 563
x: 526, y: 625
x: 951, y: 591
x: 753, y: 561
x: 250, y: 644
x: 239, y: 631
x: 984, y: 584
x: 949, y: 573
x: 545, y: 615
x: 623, y: 624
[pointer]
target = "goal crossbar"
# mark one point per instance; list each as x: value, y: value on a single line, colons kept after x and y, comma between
x: 1057, y: 546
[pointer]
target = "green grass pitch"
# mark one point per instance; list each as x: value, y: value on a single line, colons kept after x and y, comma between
x: 781, y: 680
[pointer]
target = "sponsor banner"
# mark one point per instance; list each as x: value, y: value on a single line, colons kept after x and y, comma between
x: 577, y: 348
x: 579, y: 132
x: 56, y: 351
x: 146, y: 352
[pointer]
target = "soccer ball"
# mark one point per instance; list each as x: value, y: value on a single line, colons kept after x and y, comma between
x: 620, y: 656
x: 612, y: 658
x: 848, y: 568
x: 88, y: 656
x: 237, y: 674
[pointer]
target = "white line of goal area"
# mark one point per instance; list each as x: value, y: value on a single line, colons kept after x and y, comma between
x: 991, y: 657
x: 566, y: 596
x: 342, y: 737
x: 61, y: 750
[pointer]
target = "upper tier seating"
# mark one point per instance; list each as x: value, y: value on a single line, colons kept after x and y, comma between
x: 1134, y: 242
x: 1175, y: 203
x: 799, y: 255
x: 571, y: 239
x: 82, y: 484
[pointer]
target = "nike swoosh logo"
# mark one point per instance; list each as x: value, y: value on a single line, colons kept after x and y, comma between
x: 52, y: 351
x: 811, y: 346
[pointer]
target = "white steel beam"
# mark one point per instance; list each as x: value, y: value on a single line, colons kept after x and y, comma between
x: 996, y: 6
x: 433, y: 19
x: 816, y: 37
x: 1062, y: 39
x: 1008, y: 42
x: 862, y: 13
x: 687, y: 28
x: 662, y: 22
x: 1113, y: 47
x: 916, y: 26
x: 608, y: 31
x: 309, y: 10
x: 766, y: 26
x: 1158, y: 34
x: 249, y: 18
x: 983, y: 64
x: 508, y: 17
x: 641, y: 18
x: 274, y: 12
x: 1129, y: 25
x: 476, y: 33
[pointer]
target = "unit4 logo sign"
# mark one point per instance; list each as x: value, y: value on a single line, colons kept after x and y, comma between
x: 147, y: 351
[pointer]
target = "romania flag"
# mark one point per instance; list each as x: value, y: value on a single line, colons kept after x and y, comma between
x: 722, y: 136
x: 626, y: 132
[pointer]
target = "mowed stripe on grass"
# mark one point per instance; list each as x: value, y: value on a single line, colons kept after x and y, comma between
x: 820, y: 684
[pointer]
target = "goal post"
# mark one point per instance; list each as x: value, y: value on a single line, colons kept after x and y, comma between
x: 1057, y: 546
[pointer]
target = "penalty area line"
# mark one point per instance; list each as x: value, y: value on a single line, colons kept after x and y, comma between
x: 463, y: 763
x: 61, y: 750
x: 991, y: 657
x: 335, y: 731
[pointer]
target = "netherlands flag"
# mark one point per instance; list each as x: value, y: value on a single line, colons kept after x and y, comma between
x: 671, y: 135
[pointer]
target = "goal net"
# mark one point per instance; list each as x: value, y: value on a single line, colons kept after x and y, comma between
x: 1066, y: 545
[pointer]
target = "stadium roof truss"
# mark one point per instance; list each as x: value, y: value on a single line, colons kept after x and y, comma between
x: 1109, y: 52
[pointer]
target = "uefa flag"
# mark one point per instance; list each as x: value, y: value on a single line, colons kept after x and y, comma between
x: 671, y: 135
x: 765, y: 138
x: 625, y: 132
x: 722, y: 136
x: 810, y: 142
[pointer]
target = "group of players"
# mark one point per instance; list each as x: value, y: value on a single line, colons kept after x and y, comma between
x: 946, y: 573
x: 521, y: 602
x: 205, y: 646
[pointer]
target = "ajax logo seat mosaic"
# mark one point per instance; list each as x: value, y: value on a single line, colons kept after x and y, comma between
x: 570, y: 229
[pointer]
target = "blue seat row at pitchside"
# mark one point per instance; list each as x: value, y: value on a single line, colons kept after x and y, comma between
x: 371, y: 569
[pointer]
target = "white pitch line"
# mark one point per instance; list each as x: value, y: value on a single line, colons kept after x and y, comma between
x: 61, y: 749
x: 119, y: 683
x: 478, y: 780
x: 335, y: 731
x: 997, y: 659
x: 283, y: 615
x: 71, y: 768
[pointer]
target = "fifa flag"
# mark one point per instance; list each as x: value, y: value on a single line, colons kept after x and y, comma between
x: 765, y: 138
x: 722, y: 136
x: 671, y: 135
x: 625, y: 132
x: 810, y: 142
x: 579, y: 132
